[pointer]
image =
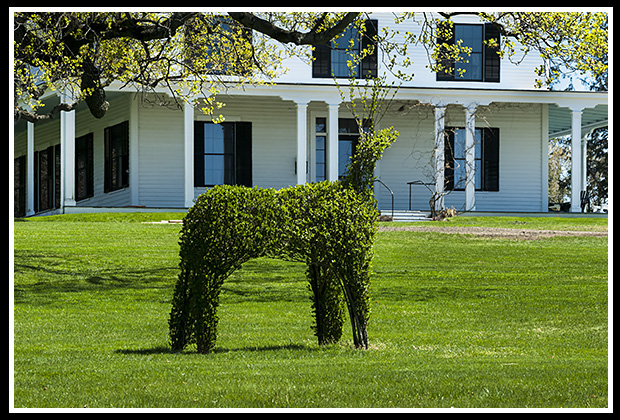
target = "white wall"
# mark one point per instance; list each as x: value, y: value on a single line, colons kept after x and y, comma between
x: 512, y: 76
x: 520, y: 151
x: 161, y: 151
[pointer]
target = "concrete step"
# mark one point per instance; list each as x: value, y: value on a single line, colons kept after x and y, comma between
x: 407, y: 215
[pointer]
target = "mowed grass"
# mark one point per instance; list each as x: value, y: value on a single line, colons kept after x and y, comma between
x: 457, y: 321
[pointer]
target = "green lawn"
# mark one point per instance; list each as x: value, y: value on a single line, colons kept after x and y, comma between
x: 457, y: 321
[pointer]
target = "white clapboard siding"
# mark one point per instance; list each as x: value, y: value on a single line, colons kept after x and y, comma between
x: 515, y: 73
x: 161, y: 156
x: 409, y: 159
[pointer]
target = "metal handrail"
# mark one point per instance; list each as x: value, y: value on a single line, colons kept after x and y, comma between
x: 391, y: 192
x: 418, y: 182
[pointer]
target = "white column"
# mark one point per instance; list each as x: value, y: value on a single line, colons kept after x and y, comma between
x: 544, y: 202
x: 440, y: 113
x: 30, y: 171
x: 67, y: 155
x: 576, y: 162
x: 470, y: 156
x: 332, y: 142
x: 584, y: 159
x: 302, y: 129
x: 188, y: 135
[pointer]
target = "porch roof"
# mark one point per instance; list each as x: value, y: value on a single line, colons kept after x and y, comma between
x: 591, y: 118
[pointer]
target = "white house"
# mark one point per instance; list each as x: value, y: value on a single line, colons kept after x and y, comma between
x: 145, y: 154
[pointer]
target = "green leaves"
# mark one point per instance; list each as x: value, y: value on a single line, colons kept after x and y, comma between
x: 327, y: 226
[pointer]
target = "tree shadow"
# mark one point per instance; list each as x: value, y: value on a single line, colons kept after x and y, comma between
x: 168, y: 350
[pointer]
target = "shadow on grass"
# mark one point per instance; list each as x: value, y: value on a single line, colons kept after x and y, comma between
x: 168, y: 350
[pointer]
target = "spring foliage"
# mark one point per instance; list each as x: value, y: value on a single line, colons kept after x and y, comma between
x: 329, y: 226
x: 326, y: 226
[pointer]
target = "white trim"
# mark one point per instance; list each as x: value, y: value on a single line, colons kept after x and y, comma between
x: 576, y: 161
x: 544, y: 153
x: 302, y: 141
x: 332, y: 142
x: 30, y: 171
x: 188, y: 144
x: 470, y: 158
x: 440, y: 120
x: 134, y: 152
x: 67, y: 156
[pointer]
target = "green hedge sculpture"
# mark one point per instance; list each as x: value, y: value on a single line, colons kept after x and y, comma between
x: 330, y: 226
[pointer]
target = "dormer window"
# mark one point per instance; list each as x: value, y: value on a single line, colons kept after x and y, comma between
x: 482, y: 64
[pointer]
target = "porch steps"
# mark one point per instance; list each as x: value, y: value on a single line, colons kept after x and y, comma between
x: 407, y: 215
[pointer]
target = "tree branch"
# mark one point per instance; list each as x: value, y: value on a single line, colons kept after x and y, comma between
x: 298, y: 38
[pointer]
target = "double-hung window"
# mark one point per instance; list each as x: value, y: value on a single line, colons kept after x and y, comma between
x: 340, y: 58
x: 218, y: 45
x: 222, y: 154
x: 482, y: 64
x: 321, y: 149
x: 486, y: 159
x: 348, y: 139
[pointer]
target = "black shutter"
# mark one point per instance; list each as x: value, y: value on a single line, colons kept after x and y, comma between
x: 491, y: 58
x: 490, y: 159
x: 19, y: 186
x: 449, y: 160
x: 199, y: 148
x: 321, y: 63
x: 445, y: 62
x: 369, y: 63
x: 107, y: 160
x: 243, y: 153
x: 125, y: 151
x: 84, y: 167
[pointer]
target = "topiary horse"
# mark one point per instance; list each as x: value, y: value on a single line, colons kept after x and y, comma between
x: 330, y: 226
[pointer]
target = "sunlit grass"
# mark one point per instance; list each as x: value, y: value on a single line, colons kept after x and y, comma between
x: 456, y: 322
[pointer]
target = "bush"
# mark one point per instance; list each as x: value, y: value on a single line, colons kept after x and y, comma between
x: 326, y: 226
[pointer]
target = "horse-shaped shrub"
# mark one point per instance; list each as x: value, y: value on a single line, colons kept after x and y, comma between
x: 330, y: 226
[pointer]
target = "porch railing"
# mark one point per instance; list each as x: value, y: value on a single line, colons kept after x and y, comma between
x: 391, y: 192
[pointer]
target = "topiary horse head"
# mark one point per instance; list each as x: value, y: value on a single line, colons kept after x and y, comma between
x: 330, y: 226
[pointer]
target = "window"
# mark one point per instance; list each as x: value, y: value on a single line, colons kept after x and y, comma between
x: 332, y: 60
x: 84, y: 184
x: 116, y: 167
x: 483, y: 62
x: 486, y: 159
x: 219, y: 46
x: 222, y: 154
x: 348, y: 137
x: 321, y: 148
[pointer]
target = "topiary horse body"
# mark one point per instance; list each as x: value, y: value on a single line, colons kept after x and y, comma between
x: 330, y: 226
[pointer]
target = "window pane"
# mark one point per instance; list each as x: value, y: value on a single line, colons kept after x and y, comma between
x: 459, y: 174
x: 471, y: 37
x: 459, y: 143
x: 343, y: 50
x: 321, y: 125
x: 214, y: 169
x: 345, y: 151
x: 478, y: 174
x: 214, y: 138
x: 340, y: 68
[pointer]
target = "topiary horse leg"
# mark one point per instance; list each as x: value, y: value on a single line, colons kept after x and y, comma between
x: 327, y: 305
x: 179, y: 324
